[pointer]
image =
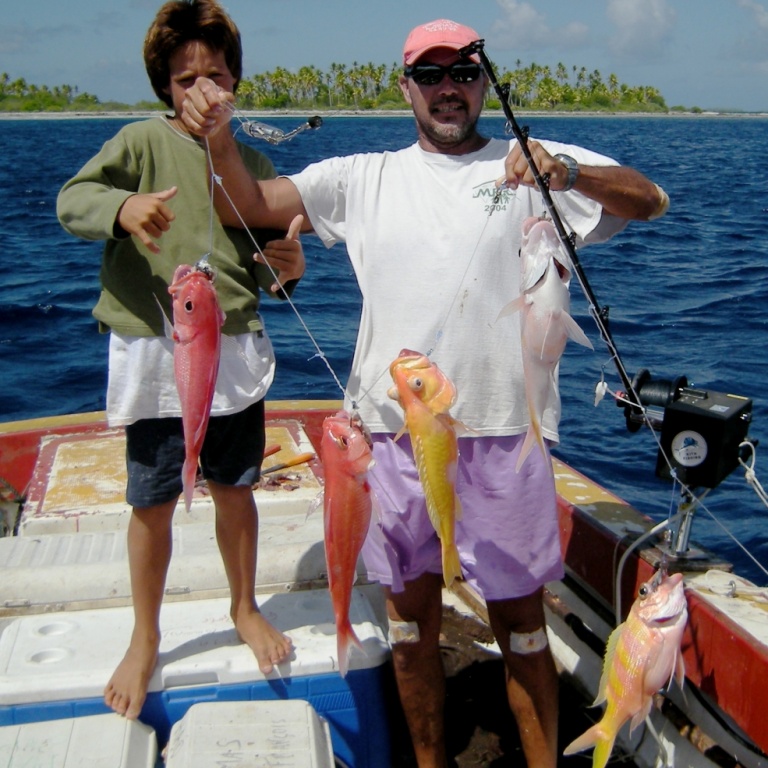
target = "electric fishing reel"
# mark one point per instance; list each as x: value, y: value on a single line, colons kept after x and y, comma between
x: 701, y: 431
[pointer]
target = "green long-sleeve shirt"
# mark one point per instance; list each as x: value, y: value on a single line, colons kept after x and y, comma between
x: 151, y: 156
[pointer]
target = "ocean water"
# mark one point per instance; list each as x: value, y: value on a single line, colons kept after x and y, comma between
x: 688, y: 294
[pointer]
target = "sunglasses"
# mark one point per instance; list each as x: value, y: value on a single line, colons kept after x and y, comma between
x: 432, y: 74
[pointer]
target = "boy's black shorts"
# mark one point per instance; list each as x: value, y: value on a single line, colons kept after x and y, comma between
x: 232, y: 454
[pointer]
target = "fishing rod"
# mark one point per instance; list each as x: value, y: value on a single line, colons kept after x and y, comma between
x: 703, y: 434
x: 633, y: 410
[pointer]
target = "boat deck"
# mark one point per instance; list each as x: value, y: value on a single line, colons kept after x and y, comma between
x: 69, y: 554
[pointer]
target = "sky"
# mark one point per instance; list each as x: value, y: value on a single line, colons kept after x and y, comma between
x: 711, y: 54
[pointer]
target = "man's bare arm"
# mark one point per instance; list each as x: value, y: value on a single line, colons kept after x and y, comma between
x: 261, y: 203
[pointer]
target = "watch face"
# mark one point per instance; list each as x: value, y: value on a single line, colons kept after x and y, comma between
x: 689, y: 448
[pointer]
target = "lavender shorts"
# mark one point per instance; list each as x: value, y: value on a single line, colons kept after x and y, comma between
x: 508, y: 535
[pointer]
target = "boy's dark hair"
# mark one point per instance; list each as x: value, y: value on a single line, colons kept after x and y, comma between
x: 177, y: 23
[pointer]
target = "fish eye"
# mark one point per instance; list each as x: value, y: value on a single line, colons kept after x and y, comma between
x: 188, y: 306
x: 643, y: 592
x: 416, y: 383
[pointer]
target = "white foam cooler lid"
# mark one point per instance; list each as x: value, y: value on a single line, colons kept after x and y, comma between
x: 250, y: 734
x: 78, y: 484
x: 67, y: 656
x: 76, y: 571
x: 95, y: 741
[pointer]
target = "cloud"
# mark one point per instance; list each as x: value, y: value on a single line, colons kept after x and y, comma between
x: 758, y: 11
x: 12, y: 40
x: 639, y: 28
x: 24, y: 38
x: 523, y: 28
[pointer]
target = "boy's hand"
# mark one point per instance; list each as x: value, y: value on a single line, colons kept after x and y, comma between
x: 286, y: 257
x: 206, y: 108
x: 147, y: 216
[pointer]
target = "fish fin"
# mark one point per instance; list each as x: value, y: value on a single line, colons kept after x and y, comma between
x: 536, y: 265
x: 167, y: 324
x: 610, y: 650
x: 641, y: 714
x: 402, y: 431
x: 514, y: 306
x: 595, y: 736
x: 602, y: 752
x: 188, y: 477
x: 315, y: 504
x: 573, y: 329
x: 345, y: 639
x: 460, y: 428
x: 451, y: 564
x: 588, y: 739
x: 679, y: 673
x: 680, y: 676
x: 532, y: 437
x: 375, y: 507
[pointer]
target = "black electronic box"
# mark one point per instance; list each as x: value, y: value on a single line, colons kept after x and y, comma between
x: 701, y: 434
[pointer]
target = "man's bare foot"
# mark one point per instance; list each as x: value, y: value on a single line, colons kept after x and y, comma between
x: 269, y: 645
x: 127, y: 689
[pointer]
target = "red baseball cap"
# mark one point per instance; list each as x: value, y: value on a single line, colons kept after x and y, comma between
x: 441, y: 33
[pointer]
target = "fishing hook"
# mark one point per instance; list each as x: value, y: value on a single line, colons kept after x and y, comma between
x: 270, y: 133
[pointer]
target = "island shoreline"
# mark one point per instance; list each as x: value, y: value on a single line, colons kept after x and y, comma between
x: 140, y: 114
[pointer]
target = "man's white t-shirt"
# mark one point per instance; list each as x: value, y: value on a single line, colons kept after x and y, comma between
x: 434, y: 245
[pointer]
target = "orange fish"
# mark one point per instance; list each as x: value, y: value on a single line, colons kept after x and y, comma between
x: 641, y: 657
x: 347, y: 505
x: 425, y: 394
x: 197, y: 321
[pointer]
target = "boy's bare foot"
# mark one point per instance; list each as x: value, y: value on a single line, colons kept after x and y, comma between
x: 127, y: 689
x: 269, y: 645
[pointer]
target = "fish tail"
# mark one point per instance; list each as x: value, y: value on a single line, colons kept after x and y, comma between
x: 595, y: 736
x: 345, y: 639
x: 451, y: 563
x: 532, y: 436
x: 188, y: 478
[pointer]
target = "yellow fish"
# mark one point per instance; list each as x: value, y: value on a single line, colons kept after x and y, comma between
x: 425, y: 394
x: 641, y: 657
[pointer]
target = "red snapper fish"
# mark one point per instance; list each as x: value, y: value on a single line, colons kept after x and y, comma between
x: 641, y: 657
x: 425, y: 393
x: 545, y: 323
x: 197, y: 321
x: 347, y: 505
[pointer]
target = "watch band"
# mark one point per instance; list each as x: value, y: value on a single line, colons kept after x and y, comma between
x: 573, y: 171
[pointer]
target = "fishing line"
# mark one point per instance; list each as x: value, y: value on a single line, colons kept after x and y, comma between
x: 439, y: 332
x: 217, y: 180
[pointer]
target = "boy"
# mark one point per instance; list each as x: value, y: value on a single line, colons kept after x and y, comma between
x: 150, y: 182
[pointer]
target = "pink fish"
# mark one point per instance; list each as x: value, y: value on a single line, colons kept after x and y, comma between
x: 545, y: 323
x: 425, y: 394
x: 642, y: 656
x: 197, y: 321
x: 347, y: 505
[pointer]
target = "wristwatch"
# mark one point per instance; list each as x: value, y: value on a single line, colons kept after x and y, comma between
x: 573, y: 171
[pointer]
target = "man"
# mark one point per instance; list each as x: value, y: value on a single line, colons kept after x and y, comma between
x: 433, y: 232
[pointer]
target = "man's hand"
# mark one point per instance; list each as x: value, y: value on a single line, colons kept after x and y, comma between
x: 147, y: 216
x: 517, y: 171
x: 285, y: 257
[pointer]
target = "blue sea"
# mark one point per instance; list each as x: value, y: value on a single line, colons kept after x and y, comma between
x: 688, y: 294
